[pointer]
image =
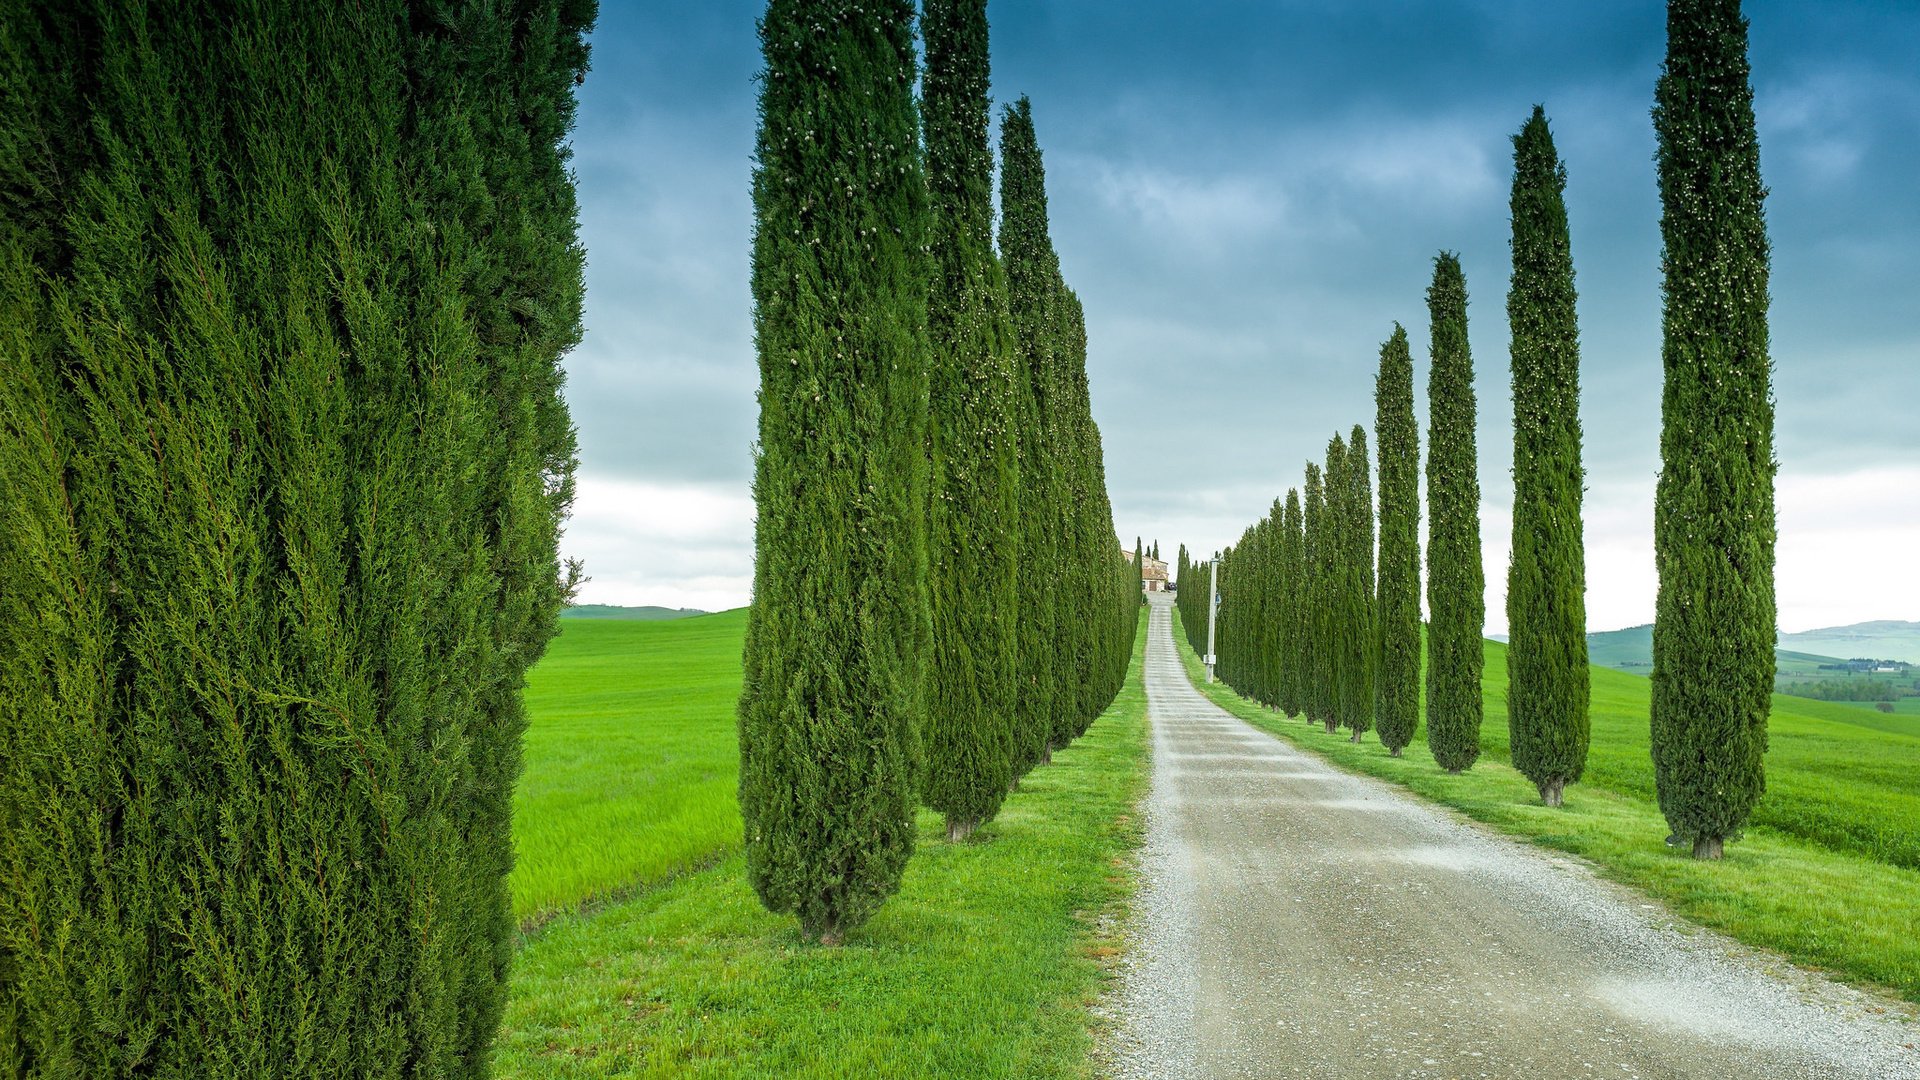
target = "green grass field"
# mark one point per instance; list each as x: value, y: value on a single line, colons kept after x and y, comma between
x: 1826, y: 875
x: 985, y: 964
x: 631, y: 759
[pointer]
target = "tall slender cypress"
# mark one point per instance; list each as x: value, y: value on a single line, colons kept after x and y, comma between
x: 1356, y: 606
x: 1714, y: 532
x: 974, y: 478
x: 1546, y: 579
x: 1293, y: 631
x: 1397, y: 594
x: 1331, y: 614
x: 1028, y: 258
x: 1456, y: 582
x: 284, y: 460
x: 1315, y: 652
x: 834, y: 681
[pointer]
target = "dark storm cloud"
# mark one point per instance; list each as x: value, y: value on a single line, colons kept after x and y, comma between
x: 1247, y: 196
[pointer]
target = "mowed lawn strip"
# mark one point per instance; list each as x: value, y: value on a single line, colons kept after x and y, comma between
x: 631, y: 759
x: 1830, y: 906
x: 985, y: 964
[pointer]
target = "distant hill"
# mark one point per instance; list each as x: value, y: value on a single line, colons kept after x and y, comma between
x: 1886, y: 639
x: 612, y: 611
x: 1882, y: 639
x: 1623, y: 650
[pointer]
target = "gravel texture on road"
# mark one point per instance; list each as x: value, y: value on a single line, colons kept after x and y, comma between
x: 1297, y: 920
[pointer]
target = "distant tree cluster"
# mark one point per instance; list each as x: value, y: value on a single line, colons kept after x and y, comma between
x: 939, y: 598
x: 1309, y: 623
x: 1846, y: 690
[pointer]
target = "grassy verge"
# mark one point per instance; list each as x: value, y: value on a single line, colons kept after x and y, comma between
x: 985, y: 964
x: 1829, y: 907
x: 631, y: 759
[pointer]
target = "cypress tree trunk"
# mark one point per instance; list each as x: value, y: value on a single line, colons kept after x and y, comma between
x: 1546, y: 580
x: 1358, y: 677
x: 1027, y: 256
x: 839, y: 623
x: 1456, y: 583
x: 1397, y: 603
x: 284, y: 461
x: 1293, y: 641
x: 974, y: 480
x: 1714, y: 533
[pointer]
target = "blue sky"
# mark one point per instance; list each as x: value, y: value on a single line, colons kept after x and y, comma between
x: 1246, y: 197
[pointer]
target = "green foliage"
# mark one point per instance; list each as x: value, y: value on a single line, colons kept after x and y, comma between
x: 1291, y: 624
x: 1845, y: 690
x: 1397, y: 597
x: 974, y: 481
x: 1355, y: 608
x: 1456, y: 583
x: 1547, y: 577
x: 1714, y: 531
x: 839, y: 626
x: 284, y: 460
x: 1027, y: 255
x: 1316, y: 660
x: 1083, y: 598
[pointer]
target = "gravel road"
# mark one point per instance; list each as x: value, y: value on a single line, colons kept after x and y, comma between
x: 1296, y: 920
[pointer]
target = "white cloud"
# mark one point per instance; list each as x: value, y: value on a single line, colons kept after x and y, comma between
x: 675, y: 545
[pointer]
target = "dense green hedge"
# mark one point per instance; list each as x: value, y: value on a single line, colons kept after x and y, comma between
x: 939, y: 596
x: 284, y: 459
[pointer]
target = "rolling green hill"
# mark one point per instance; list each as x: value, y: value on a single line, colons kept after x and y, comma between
x: 1883, y: 639
x: 1623, y: 650
x: 635, y: 614
x: 1800, y: 654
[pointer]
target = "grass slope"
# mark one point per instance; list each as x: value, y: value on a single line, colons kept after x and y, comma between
x: 985, y: 964
x: 1824, y: 876
x: 631, y: 758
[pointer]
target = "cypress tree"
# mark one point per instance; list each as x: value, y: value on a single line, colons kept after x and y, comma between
x: 1293, y: 632
x: 1397, y: 595
x: 1027, y: 255
x: 1714, y: 532
x: 1356, y: 607
x: 1331, y: 616
x: 1272, y: 607
x: 1156, y: 549
x: 1315, y: 652
x: 1139, y: 564
x: 974, y: 480
x: 1546, y: 579
x: 284, y: 460
x: 831, y: 703
x: 1456, y: 583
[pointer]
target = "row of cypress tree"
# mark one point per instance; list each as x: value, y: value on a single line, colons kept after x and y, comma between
x: 1309, y: 624
x: 1289, y: 607
x: 284, y: 460
x: 939, y: 597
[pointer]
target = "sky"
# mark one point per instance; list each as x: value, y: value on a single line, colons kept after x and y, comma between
x: 1247, y: 197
